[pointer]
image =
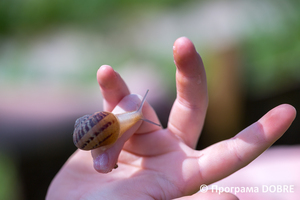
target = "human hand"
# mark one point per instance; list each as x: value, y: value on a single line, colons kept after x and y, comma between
x: 276, y: 167
x: 157, y: 163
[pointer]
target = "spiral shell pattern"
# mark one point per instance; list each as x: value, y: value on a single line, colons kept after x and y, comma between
x: 93, y: 131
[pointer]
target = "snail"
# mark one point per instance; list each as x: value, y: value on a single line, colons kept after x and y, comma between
x: 104, y: 128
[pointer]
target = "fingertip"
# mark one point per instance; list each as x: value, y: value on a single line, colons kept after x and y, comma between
x: 106, y: 77
x: 101, y: 163
x: 291, y: 110
x: 112, y: 86
x: 105, y: 159
x: 278, y: 120
x: 182, y: 41
x: 183, y: 49
x: 187, y: 59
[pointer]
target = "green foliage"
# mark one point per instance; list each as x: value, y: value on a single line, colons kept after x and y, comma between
x: 33, y: 15
x: 272, y: 59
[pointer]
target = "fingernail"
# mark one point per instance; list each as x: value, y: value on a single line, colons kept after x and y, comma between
x: 101, y: 163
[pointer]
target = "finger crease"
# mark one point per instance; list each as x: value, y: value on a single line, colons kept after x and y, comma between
x: 177, y: 132
x: 187, y: 104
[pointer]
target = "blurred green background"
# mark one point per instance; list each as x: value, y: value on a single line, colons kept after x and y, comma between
x: 50, y: 52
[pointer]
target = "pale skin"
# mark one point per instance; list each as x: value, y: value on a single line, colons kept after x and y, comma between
x: 157, y: 163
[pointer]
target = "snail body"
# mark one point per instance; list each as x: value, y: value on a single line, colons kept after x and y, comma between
x: 104, y: 128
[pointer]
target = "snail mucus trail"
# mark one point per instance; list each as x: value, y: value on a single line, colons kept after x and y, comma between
x: 104, y: 128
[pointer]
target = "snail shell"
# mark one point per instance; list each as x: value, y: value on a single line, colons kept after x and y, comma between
x: 104, y: 128
x: 92, y: 131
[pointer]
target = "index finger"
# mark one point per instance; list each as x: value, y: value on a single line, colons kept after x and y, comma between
x: 189, y: 109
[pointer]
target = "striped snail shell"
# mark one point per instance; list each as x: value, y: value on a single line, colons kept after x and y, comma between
x: 104, y: 128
